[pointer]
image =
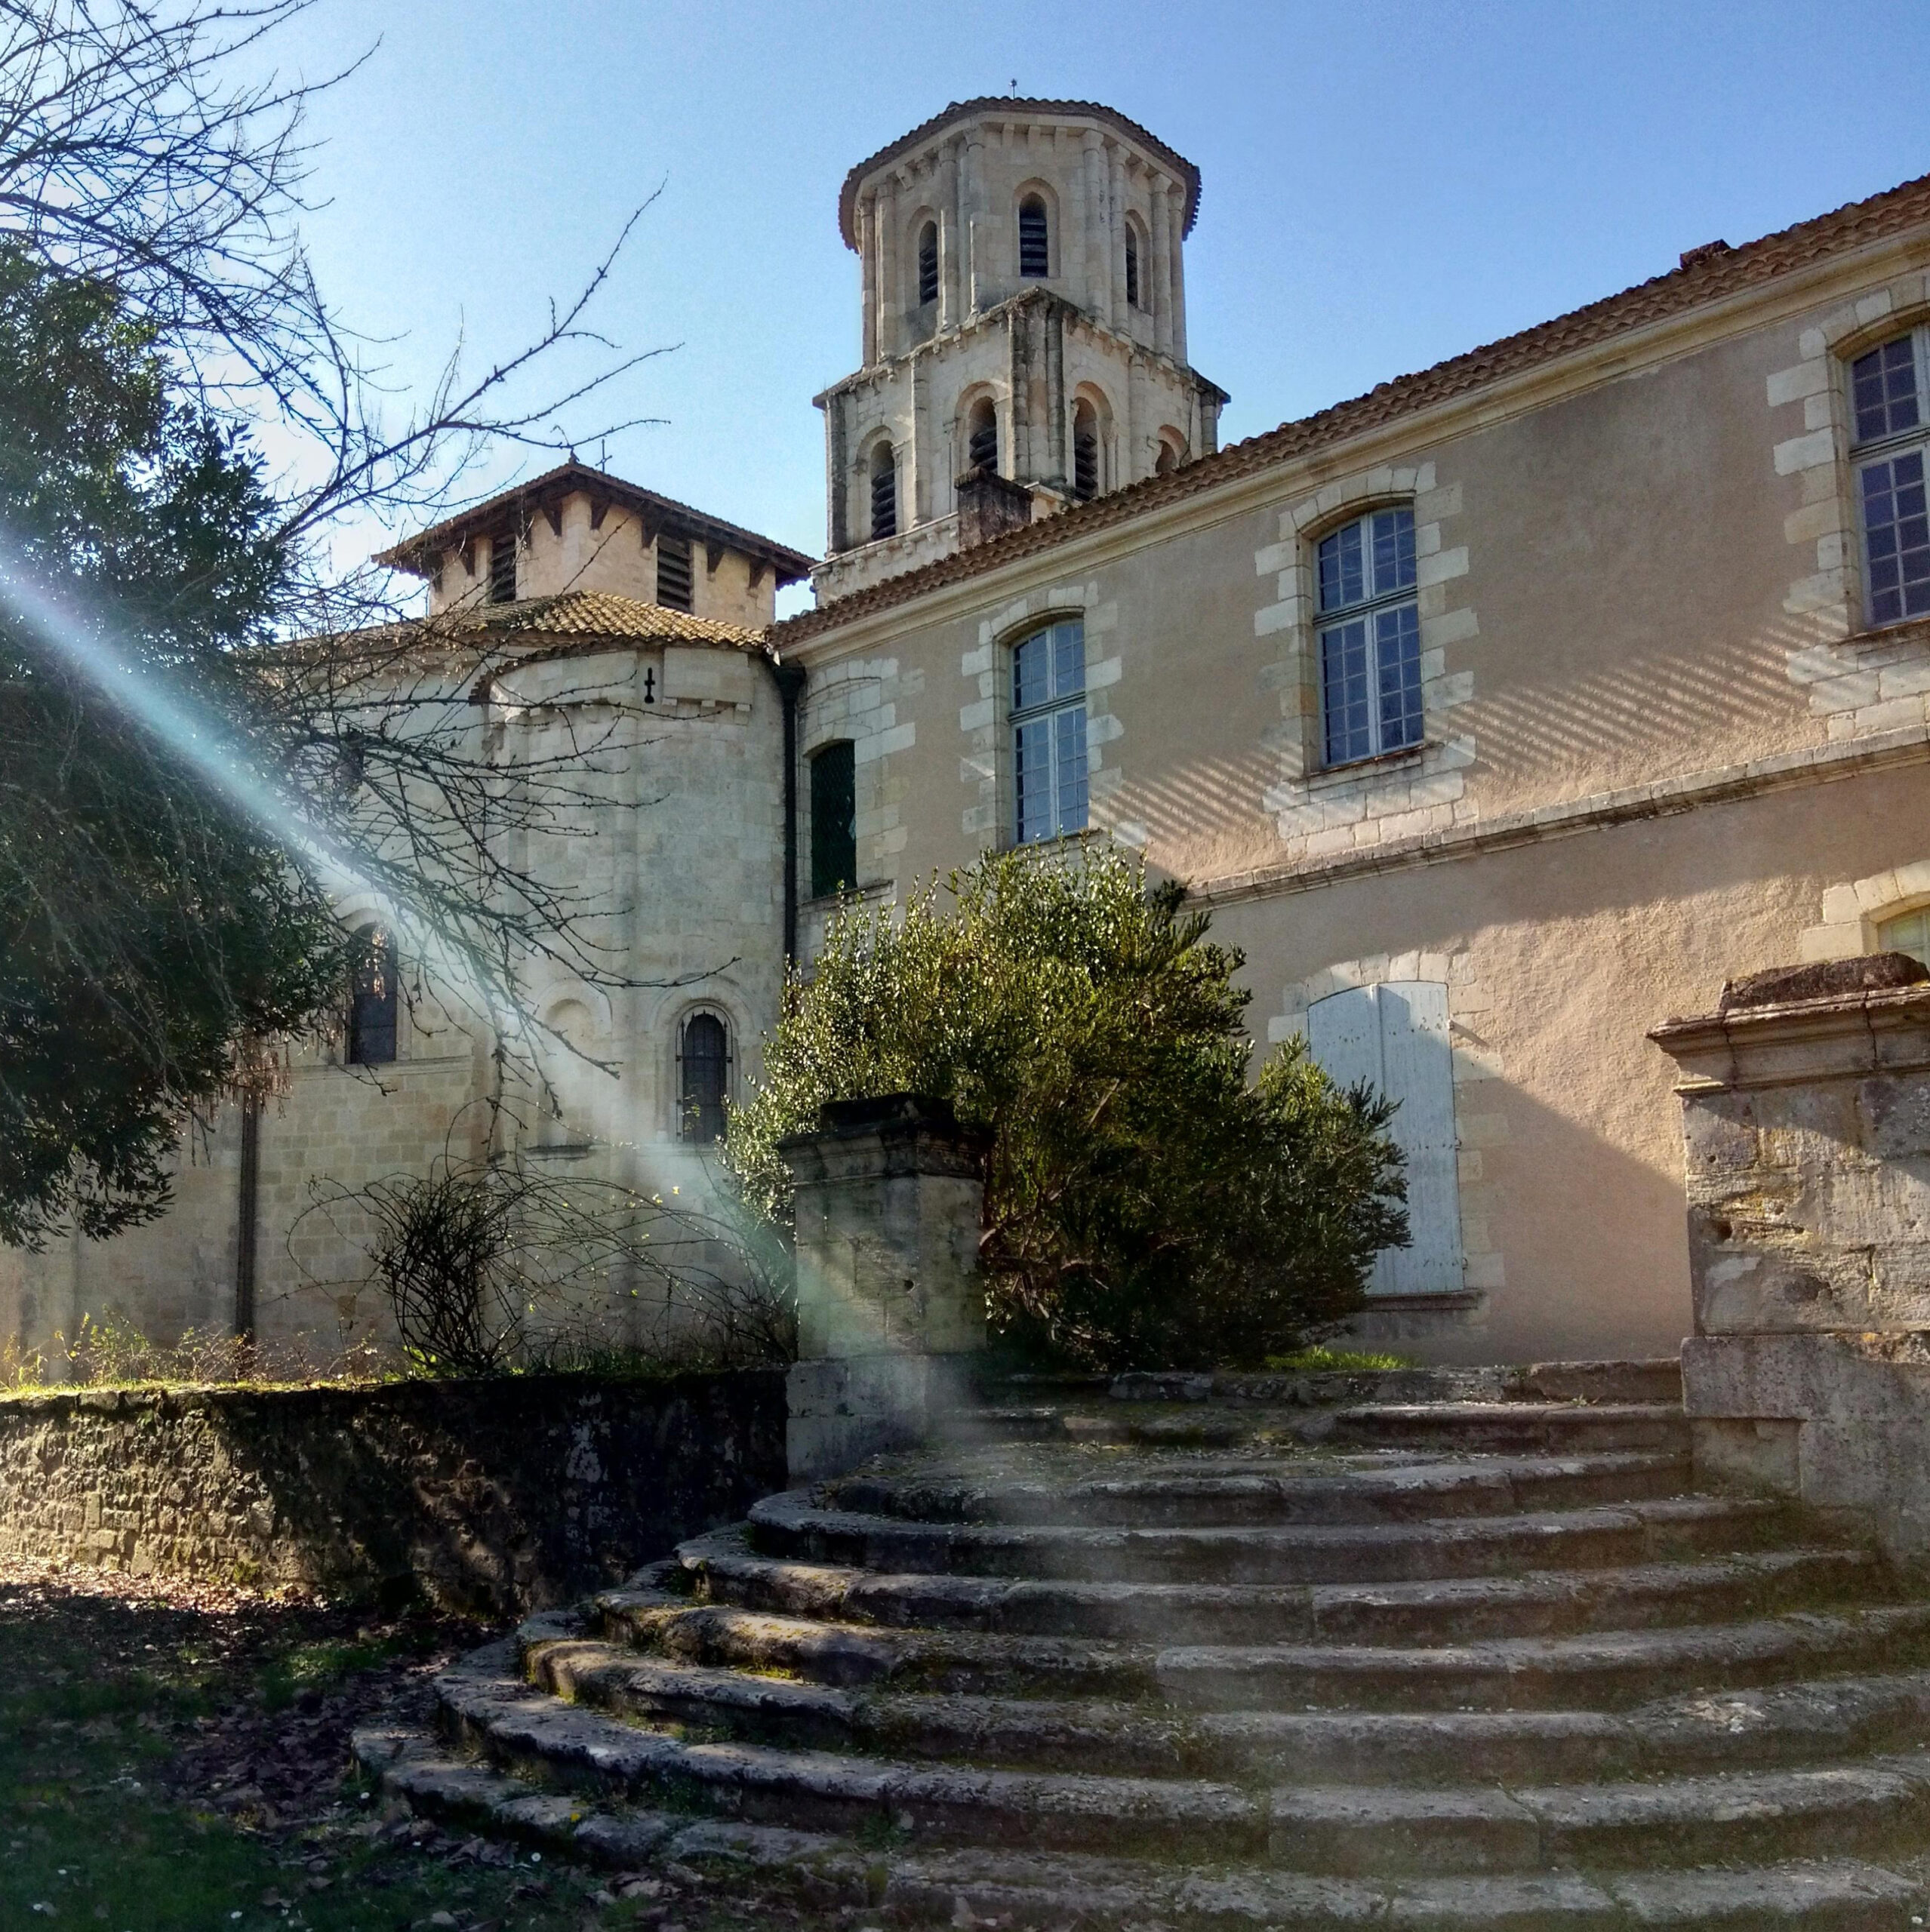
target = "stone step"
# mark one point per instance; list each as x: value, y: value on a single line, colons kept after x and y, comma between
x: 1654, y: 1381
x: 791, y: 1526
x: 1346, y: 1830
x: 724, y: 1569
x: 1220, y: 1495
x: 1017, y: 1887
x: 1607, y: 1668
x: 1803, y: 1722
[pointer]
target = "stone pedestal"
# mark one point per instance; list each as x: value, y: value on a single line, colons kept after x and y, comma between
x: 891, y: 1315
x: 1806, y: 1127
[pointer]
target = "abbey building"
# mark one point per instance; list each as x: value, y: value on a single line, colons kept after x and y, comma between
x: 1498, y: 714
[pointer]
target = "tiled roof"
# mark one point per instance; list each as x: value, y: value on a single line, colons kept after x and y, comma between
x: 418, y: 554
x: 1709, y: 275
x: 596, y: 613
x: 996, y: 104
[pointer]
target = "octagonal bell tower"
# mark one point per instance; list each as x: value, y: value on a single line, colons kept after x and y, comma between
x: 1024, y: 331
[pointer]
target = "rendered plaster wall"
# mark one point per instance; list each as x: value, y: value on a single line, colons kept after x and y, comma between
x: 498, y: 1497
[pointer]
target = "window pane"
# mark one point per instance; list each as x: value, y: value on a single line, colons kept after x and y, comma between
x: 372, y: 1001
x: 1343, y: 579
x: 1884, y: 385
x: 1031, y: 670
x: 1910, y: 934
x: 833, y: 820
x: 1896, y: 532
x: 1032, y: 768
x: 1069, y: 771
x: 1394, y: 551
x: 1397, y: 650
x: 1068, y: 659
x: 706, y: 1077
x: 1344, y: 693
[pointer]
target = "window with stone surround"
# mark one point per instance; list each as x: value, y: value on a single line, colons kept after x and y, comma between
x: 1369, y: 632
x: 1085, y: 448
x: 982, y: 435
x: 1048, y: 732
x: 372, y: 1001
x: 1035, y: 240
x: 1908, y: 933
x: 703, y: 1078
x: 927, y: 264
x: 1132, y: 263
x: 1890, y: 435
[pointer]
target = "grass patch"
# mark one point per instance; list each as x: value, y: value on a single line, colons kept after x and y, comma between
x: 1313, y: 1361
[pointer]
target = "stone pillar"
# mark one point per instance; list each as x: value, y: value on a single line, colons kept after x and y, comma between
x: 1161, y: 291
x: 891, y: 283
x: 948, y: 238
x: 1177, y: 271
x: 891, y: 1316
x: 1806, y: 1127
x: 1115, y: 239
x: 971, y: 195
x: 867, y: 245
x: 1097, y: 291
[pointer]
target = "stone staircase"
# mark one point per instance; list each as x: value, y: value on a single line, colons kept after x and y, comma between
x: 1445, y: 1648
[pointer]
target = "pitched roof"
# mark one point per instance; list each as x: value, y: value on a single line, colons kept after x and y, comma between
x: 1708, y: 273
x: 594, y: 614
x: 996, y: 104
x: 418, y: 555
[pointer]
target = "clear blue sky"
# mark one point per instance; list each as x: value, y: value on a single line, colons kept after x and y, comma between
x: 1384, y: 185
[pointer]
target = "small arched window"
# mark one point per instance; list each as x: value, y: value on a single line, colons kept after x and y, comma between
x: 1172, y: 454
x: 1132, y: 266
x: 703, y: 1078
x: 982, y: 435
x: 884, y: 492
x: 1086, y: 449
x: 1035, y: 240
x: 927, y: 264
x: 372, y: 1000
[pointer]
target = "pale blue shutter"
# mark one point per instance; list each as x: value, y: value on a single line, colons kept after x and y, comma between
x: 1395, y: 1035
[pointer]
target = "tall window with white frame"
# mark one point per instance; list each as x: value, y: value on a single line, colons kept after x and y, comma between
x: 1048, y: 732
x: 1370, y: 637
x: 1890, y: 434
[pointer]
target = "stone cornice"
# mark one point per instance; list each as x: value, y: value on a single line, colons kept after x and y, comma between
x: 1820, y: 764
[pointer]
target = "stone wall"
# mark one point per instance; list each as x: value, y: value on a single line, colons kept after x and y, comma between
x: 497, y: 1496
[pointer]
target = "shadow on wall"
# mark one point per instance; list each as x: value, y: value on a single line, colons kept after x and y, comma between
x: 493, y: 1497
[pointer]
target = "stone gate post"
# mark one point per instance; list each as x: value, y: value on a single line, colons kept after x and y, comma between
x: 1806, y: 1129
x: 891, y: 1315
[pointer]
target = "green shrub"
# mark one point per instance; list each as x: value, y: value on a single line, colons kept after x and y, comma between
x: 1145, y: 1205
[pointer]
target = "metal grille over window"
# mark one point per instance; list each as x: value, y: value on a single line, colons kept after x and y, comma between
x: 372, y: 1001
x: 674, y: 581
x: 1132, y: 267
x: 1048, y: 732
x: 982, y: 451
x: 1035, y: 247
x: 1370, y: 660
x: 884, y: 492
x: 1086, y: 449
x: 503, y: 567
x: 833, y: 820
x: 1889, y: 389
x: 927, y: 264
x: 704, y: 1077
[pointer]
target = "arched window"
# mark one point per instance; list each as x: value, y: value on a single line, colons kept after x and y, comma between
x: 1035, y: 240
x: 927, y: 264
x: 1172, y: 453
x: 1132, y: 266
x: 703, y: 1078
x: 1048, y: 731
x: 1890, y: 423
x: 1085, y: 448
x: 372, y: 1002
x: 884, y: 492
x: 1370, y: 637
x: 833, y: 819
x: 982, y: 435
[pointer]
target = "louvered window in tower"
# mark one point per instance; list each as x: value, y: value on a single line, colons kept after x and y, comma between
x: 927, y: 264
x: 503, y: 567
x: 1086, y: 449
x: 1132, y: 266
x: 1035, y: 243
x: 675, y: 585
x: 982, y: 435
x: 884, y: 492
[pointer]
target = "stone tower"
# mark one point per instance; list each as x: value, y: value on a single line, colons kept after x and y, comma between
x: 1024, y: 331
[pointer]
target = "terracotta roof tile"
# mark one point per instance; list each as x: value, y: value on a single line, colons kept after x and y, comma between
x: 1709, y: 276
x: 597, y: 613
x: 995, y: 103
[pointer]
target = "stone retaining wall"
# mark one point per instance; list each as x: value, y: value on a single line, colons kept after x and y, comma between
x: 498, y: 1496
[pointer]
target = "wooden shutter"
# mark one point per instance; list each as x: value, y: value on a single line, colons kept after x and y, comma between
x: 1395, y: 1035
